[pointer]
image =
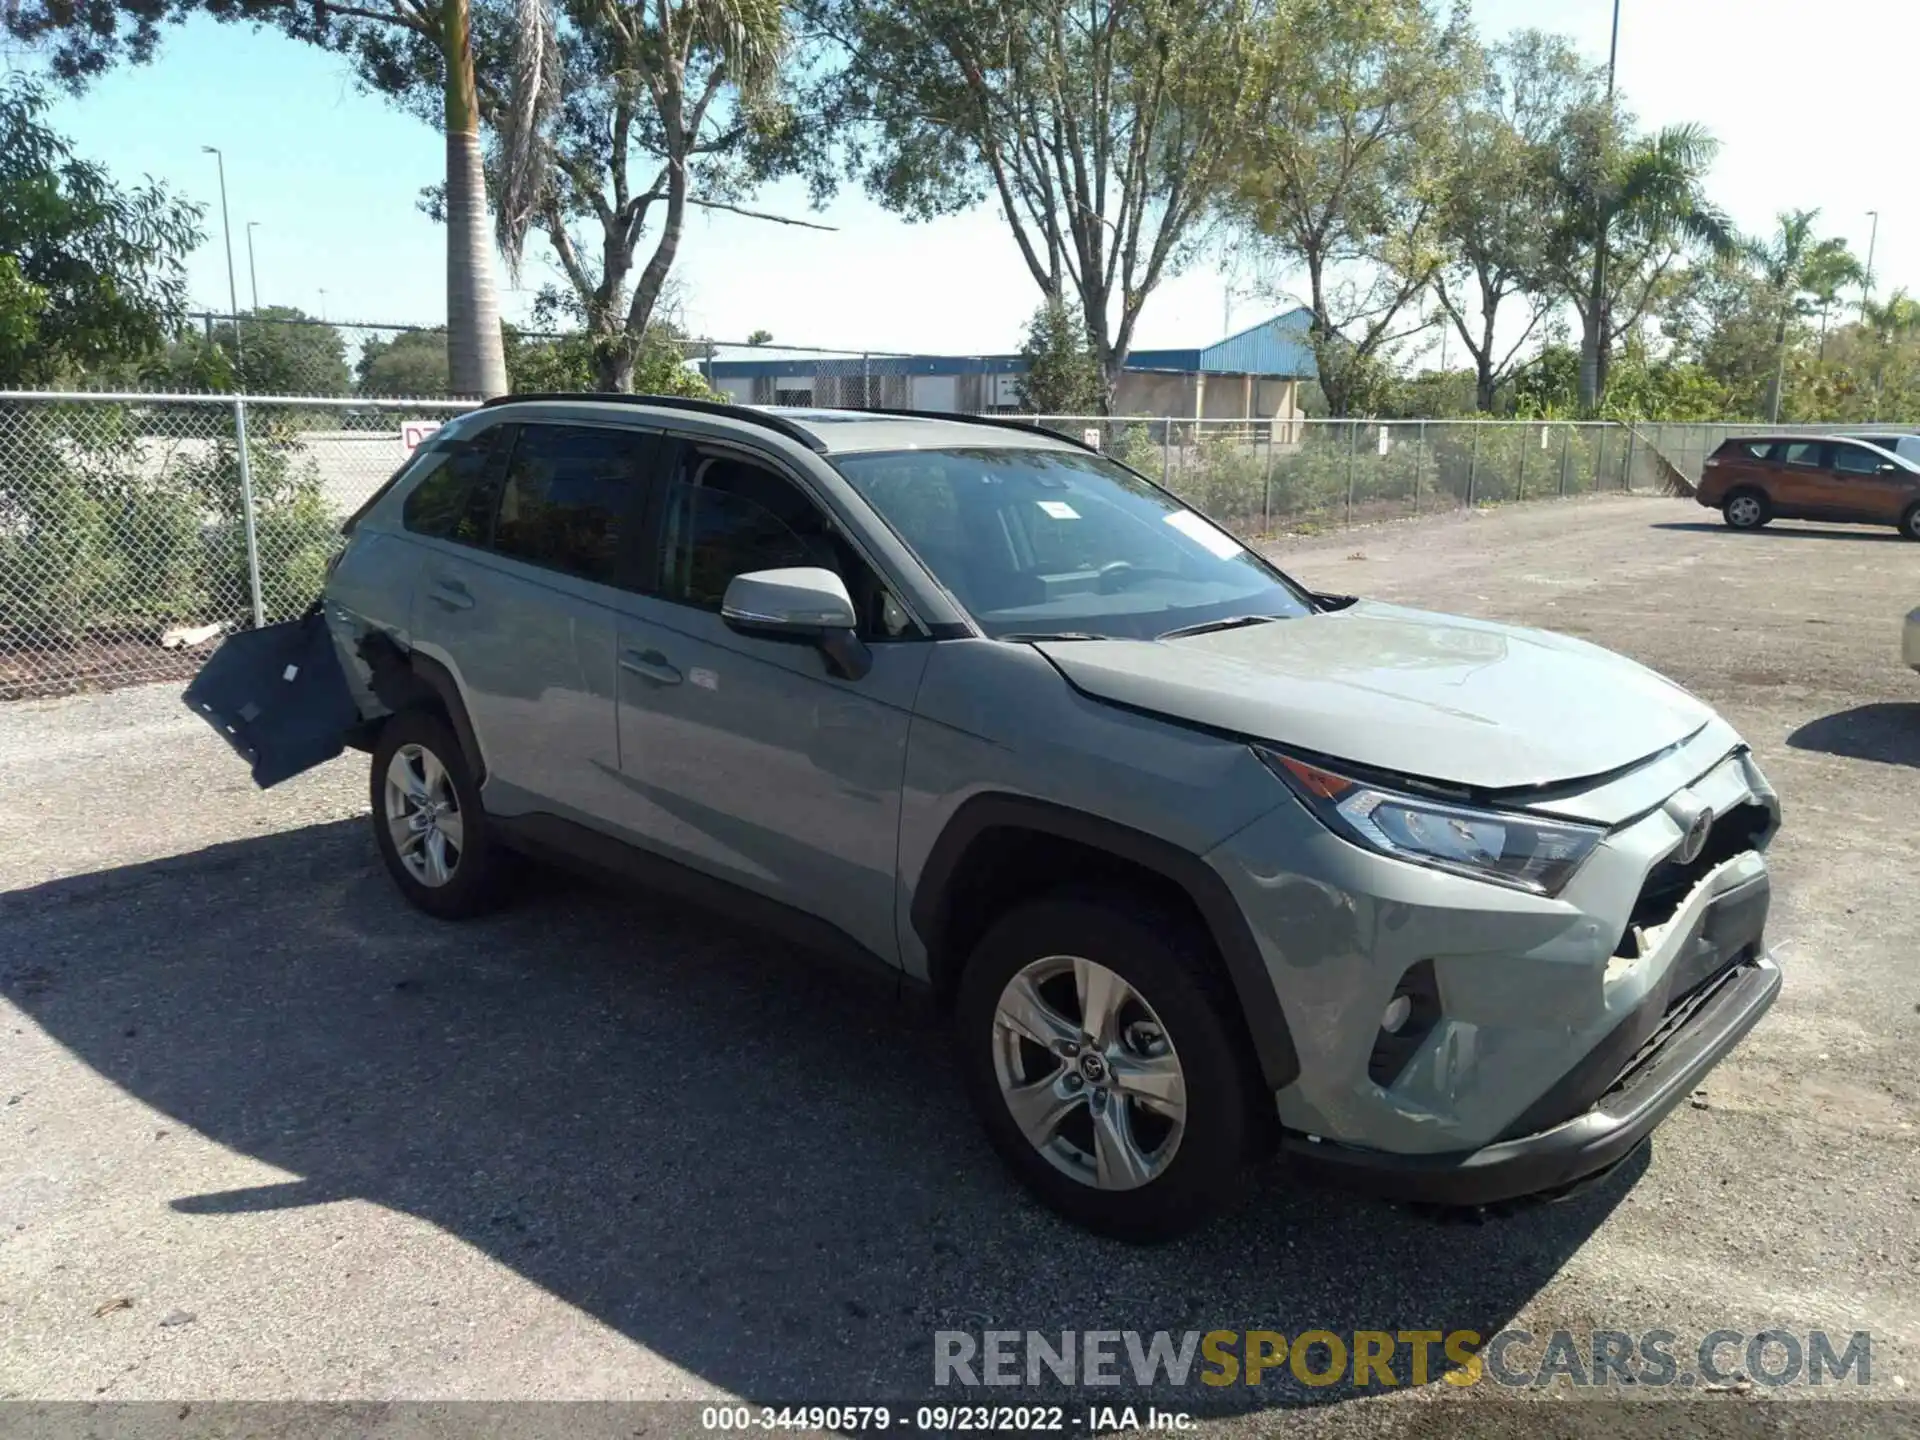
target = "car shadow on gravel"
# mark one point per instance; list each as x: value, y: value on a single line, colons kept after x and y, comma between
x: 770, y: 1180
x: 1792, y: 529
x: 1887, y: 731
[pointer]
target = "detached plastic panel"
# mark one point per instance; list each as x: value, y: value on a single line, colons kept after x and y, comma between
x: 278, y: 697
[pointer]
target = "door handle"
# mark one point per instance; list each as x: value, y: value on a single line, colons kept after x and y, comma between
x: 452, y: 595
x: 649, y: 665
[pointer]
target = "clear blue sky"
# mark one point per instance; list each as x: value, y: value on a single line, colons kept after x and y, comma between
x: 331, y: 175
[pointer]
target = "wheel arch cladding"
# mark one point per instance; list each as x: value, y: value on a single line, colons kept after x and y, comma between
x: 1001, y: 850
x: 405, y: 680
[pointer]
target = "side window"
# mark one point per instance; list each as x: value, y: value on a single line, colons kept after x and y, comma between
x: 453, y: 501
x: 567, y: 493
x: 1804, y: 452
x: 1855, y: 460
x: 726, y: 517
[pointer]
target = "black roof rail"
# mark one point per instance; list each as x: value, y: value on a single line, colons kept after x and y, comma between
x: 1003, y: 422
x: 779, y: 424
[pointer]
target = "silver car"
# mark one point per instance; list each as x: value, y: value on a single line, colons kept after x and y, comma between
x: 1200, y: 863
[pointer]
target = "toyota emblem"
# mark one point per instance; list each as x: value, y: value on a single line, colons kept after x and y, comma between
x: 1695, y: 840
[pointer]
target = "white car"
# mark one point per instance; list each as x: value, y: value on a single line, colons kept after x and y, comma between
x: 1910, y: 640
x: 1907, y: 447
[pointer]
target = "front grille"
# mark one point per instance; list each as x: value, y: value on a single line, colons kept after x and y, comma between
x: 1670, y: 882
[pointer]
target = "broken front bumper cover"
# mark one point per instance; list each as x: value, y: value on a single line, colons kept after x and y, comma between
x: 1654, y: 1059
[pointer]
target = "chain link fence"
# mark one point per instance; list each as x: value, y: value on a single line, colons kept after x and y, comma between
x: 137, y: 529
x: 1267, y: 477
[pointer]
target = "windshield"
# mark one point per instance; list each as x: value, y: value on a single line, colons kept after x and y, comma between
x: 1055, y: 542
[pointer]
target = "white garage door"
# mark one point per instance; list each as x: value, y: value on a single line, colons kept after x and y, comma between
x: 936, y: 392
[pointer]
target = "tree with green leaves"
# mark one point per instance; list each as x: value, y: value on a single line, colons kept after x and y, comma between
x: 411, y: 47
x: 1798, y: 270
x: 91, y: 272
x: 641, y: 110
x: 413, y: 362
x: 1488, y: 219
x: 1062, y: 375
x: 1102, y: 129
x: 1623, y: 214
x: 1341, y: 177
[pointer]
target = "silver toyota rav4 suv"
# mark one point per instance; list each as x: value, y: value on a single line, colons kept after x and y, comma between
x: 1201, y: 863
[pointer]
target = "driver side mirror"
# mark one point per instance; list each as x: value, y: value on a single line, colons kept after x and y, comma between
x: 805, y: 604
x: 1887, y: 467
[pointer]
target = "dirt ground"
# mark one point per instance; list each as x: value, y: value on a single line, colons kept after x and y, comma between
x: 603, y: 1147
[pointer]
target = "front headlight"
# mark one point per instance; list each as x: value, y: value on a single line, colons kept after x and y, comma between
x: 1501, y: 846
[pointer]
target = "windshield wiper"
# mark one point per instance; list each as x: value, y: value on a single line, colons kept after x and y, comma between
x: 1032, y: 636
x: 1207, y: 627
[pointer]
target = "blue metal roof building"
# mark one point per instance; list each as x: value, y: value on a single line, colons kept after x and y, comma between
x: 1253, y: 374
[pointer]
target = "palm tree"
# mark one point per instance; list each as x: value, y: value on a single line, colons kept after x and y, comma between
x: 1803, y: 274
x: 1623, y: 215
x: 476, y: 355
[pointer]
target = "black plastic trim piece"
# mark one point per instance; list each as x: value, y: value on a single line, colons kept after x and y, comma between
x: 1577, y: 1149
x: 1246, y: 968
x: 998, y: 422
x: 719, y: 409
x: 602, y: 856
x: 403, y: 679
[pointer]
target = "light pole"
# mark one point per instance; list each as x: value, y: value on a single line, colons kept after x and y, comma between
x: 1602, y: 319
x: 226, y: 226
x: 253, y: 276
x: 1866, y: 285
x: 323, y: 302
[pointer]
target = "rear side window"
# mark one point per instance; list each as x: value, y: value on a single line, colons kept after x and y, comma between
x: 452, y: 500
x: 567, y: 497
x: 1749, y: 450
x: 1805, y: 452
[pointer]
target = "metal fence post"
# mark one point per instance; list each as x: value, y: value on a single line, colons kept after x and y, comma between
x: 1166, y: 455
x: 1353, y: 445
x: 1520, y: 480
x: 1566, y: 439
x: 1266, y: 490
x: 1626, y: 465
x: 1419, y: 455
x: 246, y: 512
x: 1473, y: 463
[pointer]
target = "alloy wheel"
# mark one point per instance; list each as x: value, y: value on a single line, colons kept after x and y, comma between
x: 1089, y: 1073
x: 423, y: 815
x: 1743, y: 510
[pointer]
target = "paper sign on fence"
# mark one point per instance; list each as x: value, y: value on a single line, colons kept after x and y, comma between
x: 413, y: 433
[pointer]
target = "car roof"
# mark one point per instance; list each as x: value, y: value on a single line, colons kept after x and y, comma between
x: 827, y: 432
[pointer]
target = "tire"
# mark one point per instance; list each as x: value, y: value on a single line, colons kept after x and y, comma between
x: 1746, y: 510
x: 1910, y: 522
x: 419, y: 745
x: 1116, y: 1164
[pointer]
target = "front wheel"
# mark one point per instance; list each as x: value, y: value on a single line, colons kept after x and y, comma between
x: 1097, y: 1044
x: 428, y: 821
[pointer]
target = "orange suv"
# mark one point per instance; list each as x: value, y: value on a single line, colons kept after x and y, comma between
x: 1760, y: 478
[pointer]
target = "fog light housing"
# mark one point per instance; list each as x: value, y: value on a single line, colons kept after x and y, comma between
x: 1406, y: 1022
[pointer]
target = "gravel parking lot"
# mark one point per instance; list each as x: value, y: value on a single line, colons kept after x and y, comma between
x: 603, y: 1147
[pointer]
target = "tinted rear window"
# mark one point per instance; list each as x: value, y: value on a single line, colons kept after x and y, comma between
x: 1747, y: 449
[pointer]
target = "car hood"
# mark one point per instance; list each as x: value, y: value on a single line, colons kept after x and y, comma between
x: 1438, y: 697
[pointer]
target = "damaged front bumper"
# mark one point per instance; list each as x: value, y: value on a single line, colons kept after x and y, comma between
x: 1545, y: 1035
x: 1618, y: 1094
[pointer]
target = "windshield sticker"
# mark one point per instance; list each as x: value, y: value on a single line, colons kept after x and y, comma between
x: 1059, y: 509
x: 1196, y: 528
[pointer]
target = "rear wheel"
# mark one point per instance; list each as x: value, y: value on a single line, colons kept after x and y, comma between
x: 428, y: 821
x: 1098, y: 1050
x: 1746, y: 510
x: 1910, y: 522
